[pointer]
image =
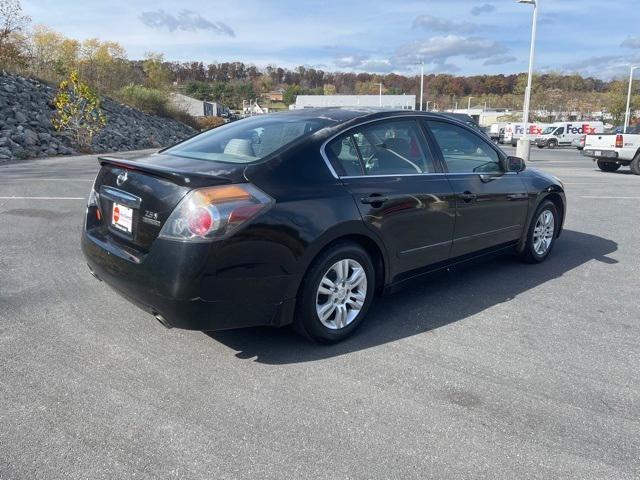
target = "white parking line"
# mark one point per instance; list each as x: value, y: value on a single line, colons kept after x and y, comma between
x: 610, y: 198
x: 42, y: 198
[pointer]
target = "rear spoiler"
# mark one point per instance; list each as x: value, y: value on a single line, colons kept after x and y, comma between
x: 187, y: 179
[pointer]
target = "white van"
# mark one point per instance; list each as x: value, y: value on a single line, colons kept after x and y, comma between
x: 564, y: 133
x: 515, y: 131
x: 494, y: 130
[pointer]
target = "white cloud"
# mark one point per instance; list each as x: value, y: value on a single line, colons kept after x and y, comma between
x: 604, y: 66
x: 444, y: 25
x: 484, y: 8
x: 185, y: 20
x: 351, y: 61
x: 438, y: 50
x: 499, y: 60
x: 631, y: 42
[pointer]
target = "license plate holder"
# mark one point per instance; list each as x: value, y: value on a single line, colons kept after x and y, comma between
x: 122, y: 218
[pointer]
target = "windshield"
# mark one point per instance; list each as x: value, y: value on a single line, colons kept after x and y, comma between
x: 247, y: 140
x: 548, y: 130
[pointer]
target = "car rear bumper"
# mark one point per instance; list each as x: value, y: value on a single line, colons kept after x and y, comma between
x: 612, y: 154
x: 176, y: 281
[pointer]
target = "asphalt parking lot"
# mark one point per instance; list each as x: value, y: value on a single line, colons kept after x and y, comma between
x: 498, y: 371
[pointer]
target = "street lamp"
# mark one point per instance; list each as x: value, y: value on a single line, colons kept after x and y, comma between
x: 524, y: 146
x: 421, y: 63
x: 380, y: 96
x: 469, y: 105
x: 627, y: 112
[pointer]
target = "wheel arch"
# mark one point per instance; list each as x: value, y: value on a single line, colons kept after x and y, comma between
x: 556, y: 195
x: 360, y: 236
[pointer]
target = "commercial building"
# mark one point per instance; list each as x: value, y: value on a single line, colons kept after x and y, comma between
x: 198, y: 108
x: 389, y: 102
x: 486, y: 117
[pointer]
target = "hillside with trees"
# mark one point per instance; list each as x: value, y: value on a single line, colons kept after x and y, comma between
x: 42, y: 53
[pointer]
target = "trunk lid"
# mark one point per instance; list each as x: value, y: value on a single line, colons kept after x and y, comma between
x: 137, y: 196
x: 602, y: 141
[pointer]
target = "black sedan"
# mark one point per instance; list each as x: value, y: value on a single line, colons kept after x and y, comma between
x: 303, y: 217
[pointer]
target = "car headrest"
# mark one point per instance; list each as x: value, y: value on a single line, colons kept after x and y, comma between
x: 239, y: 146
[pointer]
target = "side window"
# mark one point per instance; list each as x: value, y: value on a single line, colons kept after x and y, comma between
x: 464, y: 151
x: 560, y: 131
x: 384, y: 148
x: 342, y: 151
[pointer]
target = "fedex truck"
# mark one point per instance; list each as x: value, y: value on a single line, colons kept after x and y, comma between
x: 564, y: 133
x: 515, y: 131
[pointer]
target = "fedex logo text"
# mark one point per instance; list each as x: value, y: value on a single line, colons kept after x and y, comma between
x: 585, y: 129
x: 533, y: 129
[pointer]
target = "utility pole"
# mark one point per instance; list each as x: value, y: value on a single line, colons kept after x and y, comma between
x: 524, y: 144
x: 627, y: 112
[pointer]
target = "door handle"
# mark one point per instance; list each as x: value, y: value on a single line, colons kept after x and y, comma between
x: 374, y: 198
x: 517, y: 196
x: 467, y: 196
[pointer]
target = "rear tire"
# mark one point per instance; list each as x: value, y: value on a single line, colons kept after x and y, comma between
x: 635, y: 164
x: 336, y: 293
x: 542, y: 233
x: 606, y: 166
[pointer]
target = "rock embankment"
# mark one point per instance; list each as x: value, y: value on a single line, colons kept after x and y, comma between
x: 26, y: 107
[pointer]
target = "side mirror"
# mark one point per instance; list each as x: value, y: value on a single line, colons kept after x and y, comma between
x: 515, y: 164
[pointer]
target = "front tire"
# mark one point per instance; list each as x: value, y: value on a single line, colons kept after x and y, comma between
x: 608, y: 166
x: 336, y: 293
x: 542, y: 233
x: 552, y: 144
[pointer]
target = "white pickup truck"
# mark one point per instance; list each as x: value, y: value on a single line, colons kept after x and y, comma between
x: 615, y: 150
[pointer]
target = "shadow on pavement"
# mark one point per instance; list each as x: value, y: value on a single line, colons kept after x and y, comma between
x: 429, y: 304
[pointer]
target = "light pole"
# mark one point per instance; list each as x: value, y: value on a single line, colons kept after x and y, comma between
x: 627, y: 112
x: 421, y: 63
x: 524, y: 145
x: 380, y: 96
x: 469, y: 105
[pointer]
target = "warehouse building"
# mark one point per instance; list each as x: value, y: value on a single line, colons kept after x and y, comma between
x: 387, y: 102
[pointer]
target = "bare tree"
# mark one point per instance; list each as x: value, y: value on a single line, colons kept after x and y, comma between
x: 12, y: 24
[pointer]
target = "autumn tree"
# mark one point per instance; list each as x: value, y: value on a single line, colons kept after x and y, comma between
x: 78, y: 112
x: 157, y: 75
x: 13, y: 22
x: 329, y: 89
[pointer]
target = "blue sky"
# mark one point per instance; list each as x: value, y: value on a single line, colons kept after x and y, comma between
x: 591, y: 37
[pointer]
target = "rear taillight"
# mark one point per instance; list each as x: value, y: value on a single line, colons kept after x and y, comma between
x: 619, y: 141
x: 93, y: 202
x: 582, y: 141
x: 216, y: 212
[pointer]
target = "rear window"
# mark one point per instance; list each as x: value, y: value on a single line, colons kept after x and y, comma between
x: 247, y: 140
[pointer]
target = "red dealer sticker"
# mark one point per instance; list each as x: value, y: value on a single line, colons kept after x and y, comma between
x: 122, y: 218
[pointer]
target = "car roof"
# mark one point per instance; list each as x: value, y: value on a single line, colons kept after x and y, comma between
x: 342, y: 115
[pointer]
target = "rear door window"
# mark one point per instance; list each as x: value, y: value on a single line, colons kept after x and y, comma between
x: 394, y: 147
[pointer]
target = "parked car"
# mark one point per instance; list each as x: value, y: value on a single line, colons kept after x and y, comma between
x: 579, y: 142
x: 304, y: 216
x: 564, y: 133
x: 612, y: 151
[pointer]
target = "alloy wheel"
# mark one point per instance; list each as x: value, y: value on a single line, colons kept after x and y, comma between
x: 543, y: 232
x: 341, y: 294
